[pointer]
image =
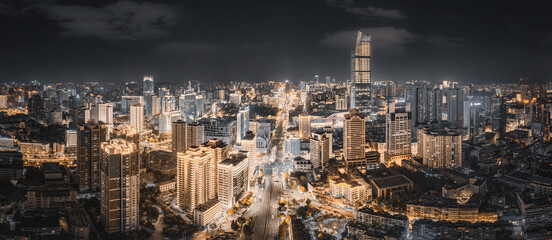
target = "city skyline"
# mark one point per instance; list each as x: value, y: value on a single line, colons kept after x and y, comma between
x: 120, y: 41
x: 283, y: 120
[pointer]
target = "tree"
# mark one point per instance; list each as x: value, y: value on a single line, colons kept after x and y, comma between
x: 234, y: 225
x: 248, y: 230
x: 282, y: 230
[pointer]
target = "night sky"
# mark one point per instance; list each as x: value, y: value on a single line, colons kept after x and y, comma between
x: 231, y: 40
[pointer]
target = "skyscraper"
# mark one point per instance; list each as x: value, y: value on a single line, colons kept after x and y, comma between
x: 137, y: 117
x: 89, y: 138
x: 249, y: 144
x: 361, y: 73
x: 155, y: 105
x: 455, y: 106
x: 233, y: 179
x: 304, y: 126
x: 242, y: 122
x: 354, y: 137
x: 320, y: 149
x: 148, y: 84
x: 120, y: 186
x: 102, y: 112
x: 398, y: 133
x: 197, y: 174
x: 186, y: 135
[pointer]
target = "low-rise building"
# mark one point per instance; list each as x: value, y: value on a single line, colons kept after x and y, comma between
x: 166, y: 186
x: 207, y: 212
x: 429, y: 229
x: 367, y: 216
x: 446, y: 209
x: 28, y: 148
x: 353, y: 189
x: 302, y: 165
x: 392, y: 186
x: 50, y: 196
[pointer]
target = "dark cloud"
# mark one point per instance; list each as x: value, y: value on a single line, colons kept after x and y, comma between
x: 184, y: 48
x: 388, y: 39
x: 123, y: 20
x: 251, y: 40
x: 366, y: 12
x: 444, y: 41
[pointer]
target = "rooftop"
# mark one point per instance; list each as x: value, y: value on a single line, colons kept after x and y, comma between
x: 392, y: 181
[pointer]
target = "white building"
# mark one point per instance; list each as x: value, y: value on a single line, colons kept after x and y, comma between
x: 137, y: 117
x: 233, y: 179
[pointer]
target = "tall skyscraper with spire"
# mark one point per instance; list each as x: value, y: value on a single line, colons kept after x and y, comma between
x: 361, y: 73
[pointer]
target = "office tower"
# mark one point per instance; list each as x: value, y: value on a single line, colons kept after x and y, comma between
x: 155, y: 105
x: 249, y: 144
x: 320, y: 149
x: 242, y: 122
x: 340, y: 103
x: 102, y: 112
x: 233, y: 179
x: 440, y: 146
x: 398, y: 133
x: 474, y: 119
x: 137, y: 117
x: 361, y: 92
x: 197, y: 174
x: 148, y: 84
x: 328, y: 80
x: 354, y: 138
x: 304, y: 126
x: 186, y: 135
x: 455, y: 105
x: 89, y: 138
x: 120, y: 186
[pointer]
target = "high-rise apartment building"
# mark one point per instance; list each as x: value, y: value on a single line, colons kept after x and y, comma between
x: 354, y: 138
x: 155, y: 105
x: 340, y: 103
x: 137, y: 117
x: 320, y: 149
x: 102, y: 112
x: 455, y: 106
x: 197, y: 174
x: 120, y: 186
x: 440, y: 146
x: 186, y: 135
x: 304, y: 126
x: 89, y: 138
x: 398, y: 133
x: 249, y: 144
x: 361, y: 73
x: 233, y: 179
